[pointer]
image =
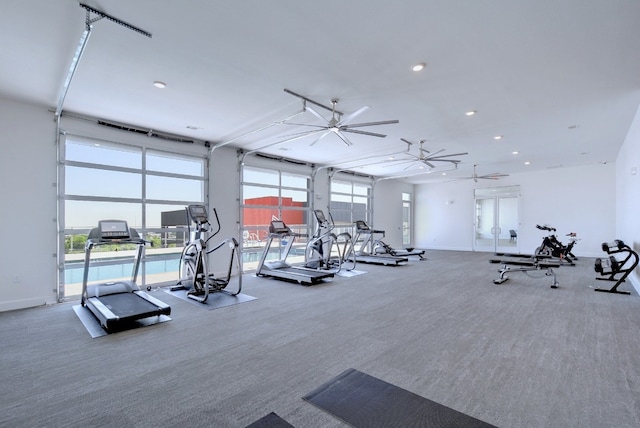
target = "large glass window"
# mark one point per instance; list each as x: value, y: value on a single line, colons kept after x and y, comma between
x: 350, y: 201
x: 269, y: 194
x: 147, y: 188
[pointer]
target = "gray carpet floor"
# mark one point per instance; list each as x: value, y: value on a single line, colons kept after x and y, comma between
x: 518, y: 354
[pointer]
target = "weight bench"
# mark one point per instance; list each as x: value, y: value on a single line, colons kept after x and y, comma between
x: 526, y: 265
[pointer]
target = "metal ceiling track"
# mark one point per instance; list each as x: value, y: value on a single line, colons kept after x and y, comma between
x: 83, y: 44
x: 310, y: 101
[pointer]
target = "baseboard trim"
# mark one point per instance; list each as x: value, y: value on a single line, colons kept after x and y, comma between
x: 22, y: 304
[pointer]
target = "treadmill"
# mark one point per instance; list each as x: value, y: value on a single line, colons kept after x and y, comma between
x: 118, y: 304
x: 365, y: 253
x: 280, y: 269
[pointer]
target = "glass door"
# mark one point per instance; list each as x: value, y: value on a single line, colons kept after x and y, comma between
x: 406, y: 220
x: 496, y: 219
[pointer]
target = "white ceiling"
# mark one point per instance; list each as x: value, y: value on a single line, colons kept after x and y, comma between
x: 559, y: 79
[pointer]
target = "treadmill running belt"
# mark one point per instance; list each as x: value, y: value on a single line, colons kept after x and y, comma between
x: 125, y: 305
x: 365, y: 401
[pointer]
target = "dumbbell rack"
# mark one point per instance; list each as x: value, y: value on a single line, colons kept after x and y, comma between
x: 617, y: 267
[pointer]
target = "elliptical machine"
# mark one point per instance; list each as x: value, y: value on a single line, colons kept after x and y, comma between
x: 320, y: 253
x: 194, y: 265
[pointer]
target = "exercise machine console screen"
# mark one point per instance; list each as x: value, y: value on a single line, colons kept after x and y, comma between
x: 113, y: 229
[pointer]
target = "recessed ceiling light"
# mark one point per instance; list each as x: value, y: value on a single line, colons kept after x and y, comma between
x: 515, y: 152
x: 159, y: 84
x: 471, y: 112
x: 527, y: 163
x: 498, y: 137
x: 419, y: 67
x: 444, y: 173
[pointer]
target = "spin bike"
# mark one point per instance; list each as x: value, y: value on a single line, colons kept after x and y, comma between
x: 552, y: 247
x: 194, y: 265
x: 328, y: 251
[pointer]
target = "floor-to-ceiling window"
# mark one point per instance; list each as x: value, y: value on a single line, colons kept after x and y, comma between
x: 148, y: 188
x: 269, y: 193
x: 350, y: 201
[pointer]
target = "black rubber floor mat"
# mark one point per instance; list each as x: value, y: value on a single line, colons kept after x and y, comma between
x: 365, y: 401
x: 270, y: 421
x: 214, y: 301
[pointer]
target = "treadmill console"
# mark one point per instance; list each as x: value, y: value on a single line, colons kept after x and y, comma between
x: 278, y: 226
x: 362, y: 226
x: 198, y: 213
x: 112, y: 230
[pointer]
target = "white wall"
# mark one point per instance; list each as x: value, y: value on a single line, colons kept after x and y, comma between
x: 28, y: 215
x: 578, y: 199
x: 224, y: 194
x: 628, y: 189
x: 387, y: 209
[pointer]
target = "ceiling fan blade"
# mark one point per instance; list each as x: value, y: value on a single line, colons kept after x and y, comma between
x: 407, y: 167
x: 430, y: 165
x: 383, y: 122
x: 444, y: 156
x: 431, y: 154
x: 305, y: 124
x: 320, y: 137
x: 316, y: 114
x: 495, y: 176
x: 397, y: 162
x: 293, y: 137
x: 352, y: 116
x: 343, y: 138
x: 356, y: 131
x: 406, y: 141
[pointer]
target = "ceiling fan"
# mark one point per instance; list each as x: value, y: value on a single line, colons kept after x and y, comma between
x: 426, y: 157
x: 475, y: 177
x: 338, y: 124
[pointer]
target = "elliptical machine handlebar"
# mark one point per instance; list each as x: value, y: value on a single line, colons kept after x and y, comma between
x: 197, y: 213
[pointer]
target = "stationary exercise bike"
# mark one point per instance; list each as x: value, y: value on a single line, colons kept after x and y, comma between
x: 194, y: 265
x: 328, y: 251
x: 552, y: 247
